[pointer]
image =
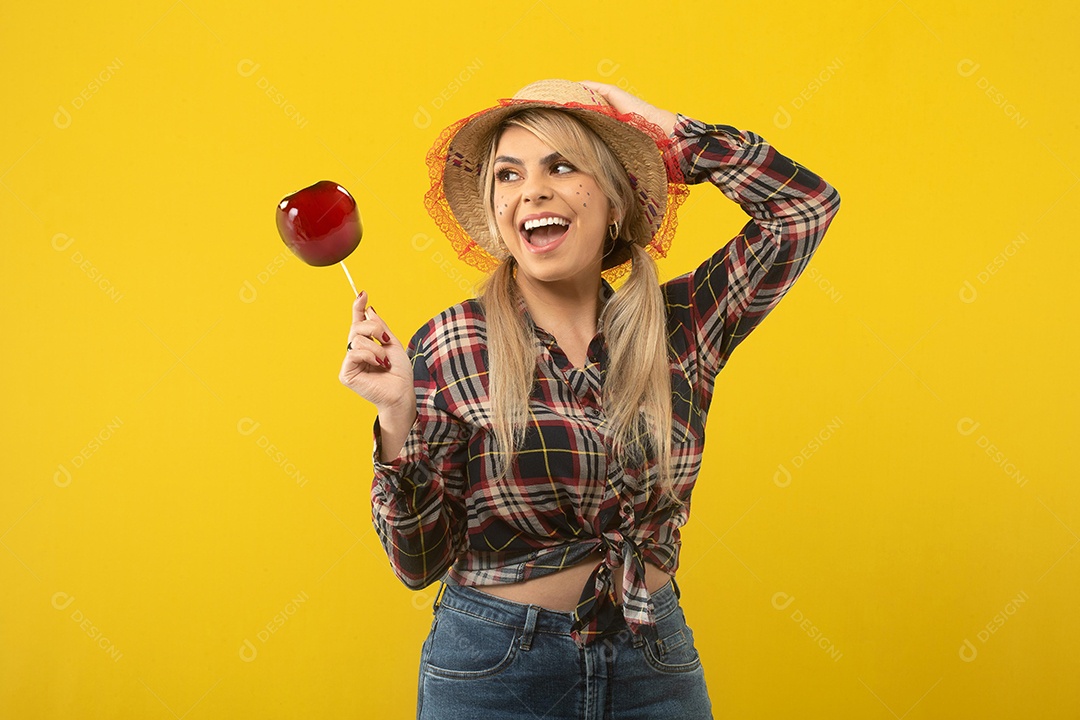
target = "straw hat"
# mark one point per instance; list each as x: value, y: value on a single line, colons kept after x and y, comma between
x: 455, y: 164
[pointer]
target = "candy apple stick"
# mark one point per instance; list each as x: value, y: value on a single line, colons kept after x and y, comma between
x: 351, y: 283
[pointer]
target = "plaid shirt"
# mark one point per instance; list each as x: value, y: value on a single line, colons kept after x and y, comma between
x: 436, y: 508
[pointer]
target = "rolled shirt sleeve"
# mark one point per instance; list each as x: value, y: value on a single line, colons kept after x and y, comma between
x: 790, y: 209
x: 416, y: 499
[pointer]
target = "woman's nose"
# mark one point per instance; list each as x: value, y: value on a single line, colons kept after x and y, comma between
x: 536, y: 188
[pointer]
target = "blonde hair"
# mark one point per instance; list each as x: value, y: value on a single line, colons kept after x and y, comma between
x: 637, y: 386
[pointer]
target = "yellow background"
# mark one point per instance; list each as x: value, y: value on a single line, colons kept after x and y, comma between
x: 887, y: 520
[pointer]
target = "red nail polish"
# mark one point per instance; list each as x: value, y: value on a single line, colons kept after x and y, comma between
x: 385, y: 337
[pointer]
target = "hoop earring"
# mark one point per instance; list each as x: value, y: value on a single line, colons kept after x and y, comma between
x: 609, y: 247
x: 614, y: 235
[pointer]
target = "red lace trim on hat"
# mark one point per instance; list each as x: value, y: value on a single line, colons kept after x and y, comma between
x: 474, y: 254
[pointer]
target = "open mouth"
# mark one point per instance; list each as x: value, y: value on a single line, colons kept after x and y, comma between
x: 544, y: 231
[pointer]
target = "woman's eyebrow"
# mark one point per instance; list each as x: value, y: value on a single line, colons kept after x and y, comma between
x: 543, y: 161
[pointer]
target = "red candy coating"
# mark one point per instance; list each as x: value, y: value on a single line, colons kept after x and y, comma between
x: 320, y: 224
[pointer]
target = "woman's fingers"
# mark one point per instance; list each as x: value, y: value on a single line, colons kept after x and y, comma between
x: 602, y: 88
x: 367, y: 323
x: 382, y: 330
x: 365, y: 350
x: 376, y: 366
x: 373, y: 328
x: 619, y: 98
x: 359, y: 306
x: 624, y: 102
x: 370, y: 340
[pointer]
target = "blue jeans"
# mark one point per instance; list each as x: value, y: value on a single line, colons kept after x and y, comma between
x: 494, y: 659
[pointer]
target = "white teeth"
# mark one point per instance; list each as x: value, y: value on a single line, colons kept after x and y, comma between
x: 533, y: 224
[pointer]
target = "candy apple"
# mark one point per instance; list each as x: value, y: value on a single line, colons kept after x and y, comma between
x: 320, y: 224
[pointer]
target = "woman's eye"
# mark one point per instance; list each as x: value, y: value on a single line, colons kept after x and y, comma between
x: 505, y: 175
x: 564, y: 167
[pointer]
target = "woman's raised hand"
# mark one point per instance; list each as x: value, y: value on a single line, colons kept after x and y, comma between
x: 624, y: 102
x: 376, y: 366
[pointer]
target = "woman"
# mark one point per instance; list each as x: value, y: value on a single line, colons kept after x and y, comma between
x: 536, y: 448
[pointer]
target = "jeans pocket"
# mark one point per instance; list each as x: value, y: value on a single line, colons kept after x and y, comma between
x: 463, y: 646
x: 672, y: 649
x: 424, y: 651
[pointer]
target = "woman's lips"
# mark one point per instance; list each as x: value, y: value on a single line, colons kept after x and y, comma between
x: 539, y: 249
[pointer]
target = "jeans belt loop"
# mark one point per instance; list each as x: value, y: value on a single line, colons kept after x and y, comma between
x: 530, y: 627
x: 438, y: 596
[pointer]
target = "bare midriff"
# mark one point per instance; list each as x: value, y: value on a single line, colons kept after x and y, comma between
x: 561, y: 591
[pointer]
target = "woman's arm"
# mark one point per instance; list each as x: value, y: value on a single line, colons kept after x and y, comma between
x: 416, y: 497
x: 790, y: 209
